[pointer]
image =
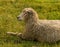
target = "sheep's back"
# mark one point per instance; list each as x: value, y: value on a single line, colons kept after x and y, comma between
x: 48, y: 30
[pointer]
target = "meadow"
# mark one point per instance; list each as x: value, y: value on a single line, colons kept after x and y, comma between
x: 10, y: 9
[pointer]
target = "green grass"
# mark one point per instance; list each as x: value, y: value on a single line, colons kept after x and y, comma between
x: 10, y: 9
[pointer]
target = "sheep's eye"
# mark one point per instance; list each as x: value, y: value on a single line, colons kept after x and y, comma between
x: 29, y: 12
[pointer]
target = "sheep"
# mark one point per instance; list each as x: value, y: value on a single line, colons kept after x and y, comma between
x: 36, y: 29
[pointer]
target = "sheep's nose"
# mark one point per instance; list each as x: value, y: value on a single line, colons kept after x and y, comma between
x: 19, y: 18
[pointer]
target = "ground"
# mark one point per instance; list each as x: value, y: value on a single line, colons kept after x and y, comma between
x: 10, y: 9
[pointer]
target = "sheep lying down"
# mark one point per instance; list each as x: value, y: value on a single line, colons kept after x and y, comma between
x: 36, y: 29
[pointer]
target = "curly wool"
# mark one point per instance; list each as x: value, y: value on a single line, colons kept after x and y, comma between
x: 41, y: 30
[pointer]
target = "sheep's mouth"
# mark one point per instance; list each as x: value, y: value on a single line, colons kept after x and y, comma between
x: 19, y: 19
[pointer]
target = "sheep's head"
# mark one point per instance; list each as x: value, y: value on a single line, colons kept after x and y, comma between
x: 27, y: 13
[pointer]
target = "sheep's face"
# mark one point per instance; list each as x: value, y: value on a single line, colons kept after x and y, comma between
x: 26, y: 14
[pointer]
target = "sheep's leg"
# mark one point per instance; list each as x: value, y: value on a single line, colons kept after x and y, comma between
x: 20, y: 35
x: 11, y: 33
x: 14, y: 34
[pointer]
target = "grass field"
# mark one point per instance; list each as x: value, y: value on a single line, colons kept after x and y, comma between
x: 10, y: 9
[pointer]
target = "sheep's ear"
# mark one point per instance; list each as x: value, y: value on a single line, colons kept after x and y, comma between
x: 29, y: 12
